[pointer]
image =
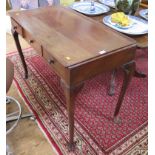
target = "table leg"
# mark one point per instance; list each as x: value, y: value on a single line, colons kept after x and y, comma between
x: 112, y: 83
x: 70, y: 94
x: 139, y: 74
x: 16, y: 39
x: 129, y: 69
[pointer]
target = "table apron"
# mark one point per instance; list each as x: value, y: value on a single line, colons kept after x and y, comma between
x: 107, y: 63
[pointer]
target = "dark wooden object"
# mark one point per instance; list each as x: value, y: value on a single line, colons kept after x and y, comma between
x: 76, y: 47
x: 16, y: 39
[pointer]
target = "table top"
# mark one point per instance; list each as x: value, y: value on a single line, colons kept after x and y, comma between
x: 70, y: 37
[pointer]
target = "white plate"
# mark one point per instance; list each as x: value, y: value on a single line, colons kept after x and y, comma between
x: 84, y: 7
x: 144, y: 13
x: 139, y: 26
x: 109, y: 3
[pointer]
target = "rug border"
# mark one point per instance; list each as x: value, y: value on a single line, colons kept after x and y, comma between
x: 26, y: 102
x: 41, y: 126
x: 15, y: 51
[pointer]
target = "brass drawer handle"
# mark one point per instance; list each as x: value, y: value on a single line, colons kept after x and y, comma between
x: 50, y: 61
x: 31, y: 41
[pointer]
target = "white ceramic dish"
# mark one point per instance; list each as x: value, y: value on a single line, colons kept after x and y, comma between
x: 84, y: 8
x: 109, y: 3
x: 138, y: 27
x: 144, y: 13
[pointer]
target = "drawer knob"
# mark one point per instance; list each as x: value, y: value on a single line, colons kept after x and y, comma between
x: 15, y: 27
x: 31, y: 41
x: 50, y: 61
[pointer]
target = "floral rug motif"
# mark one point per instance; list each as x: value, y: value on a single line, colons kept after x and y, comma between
x: 95, y: 131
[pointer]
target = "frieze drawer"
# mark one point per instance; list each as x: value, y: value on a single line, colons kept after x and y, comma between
x: 48, y: 57
x: 33, y: 43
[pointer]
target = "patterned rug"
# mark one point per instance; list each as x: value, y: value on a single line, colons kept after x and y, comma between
x: 95, y: 131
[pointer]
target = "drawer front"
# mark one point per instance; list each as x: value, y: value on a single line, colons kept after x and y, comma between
x: 57, y: 67
x: 33, y: 43
x: 48, y: 57
x: 17, y: 27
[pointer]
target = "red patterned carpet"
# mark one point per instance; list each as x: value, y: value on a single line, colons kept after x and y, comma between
x: 95, y: 131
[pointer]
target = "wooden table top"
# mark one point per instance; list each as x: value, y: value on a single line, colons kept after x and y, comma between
x: 71, y: 38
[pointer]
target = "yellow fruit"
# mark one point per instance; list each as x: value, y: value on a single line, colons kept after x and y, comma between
x: 120, y: 18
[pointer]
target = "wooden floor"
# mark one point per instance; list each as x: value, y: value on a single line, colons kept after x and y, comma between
x: 26, y: 138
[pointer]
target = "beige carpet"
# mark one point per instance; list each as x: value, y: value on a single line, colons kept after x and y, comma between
x: 26, y: 138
